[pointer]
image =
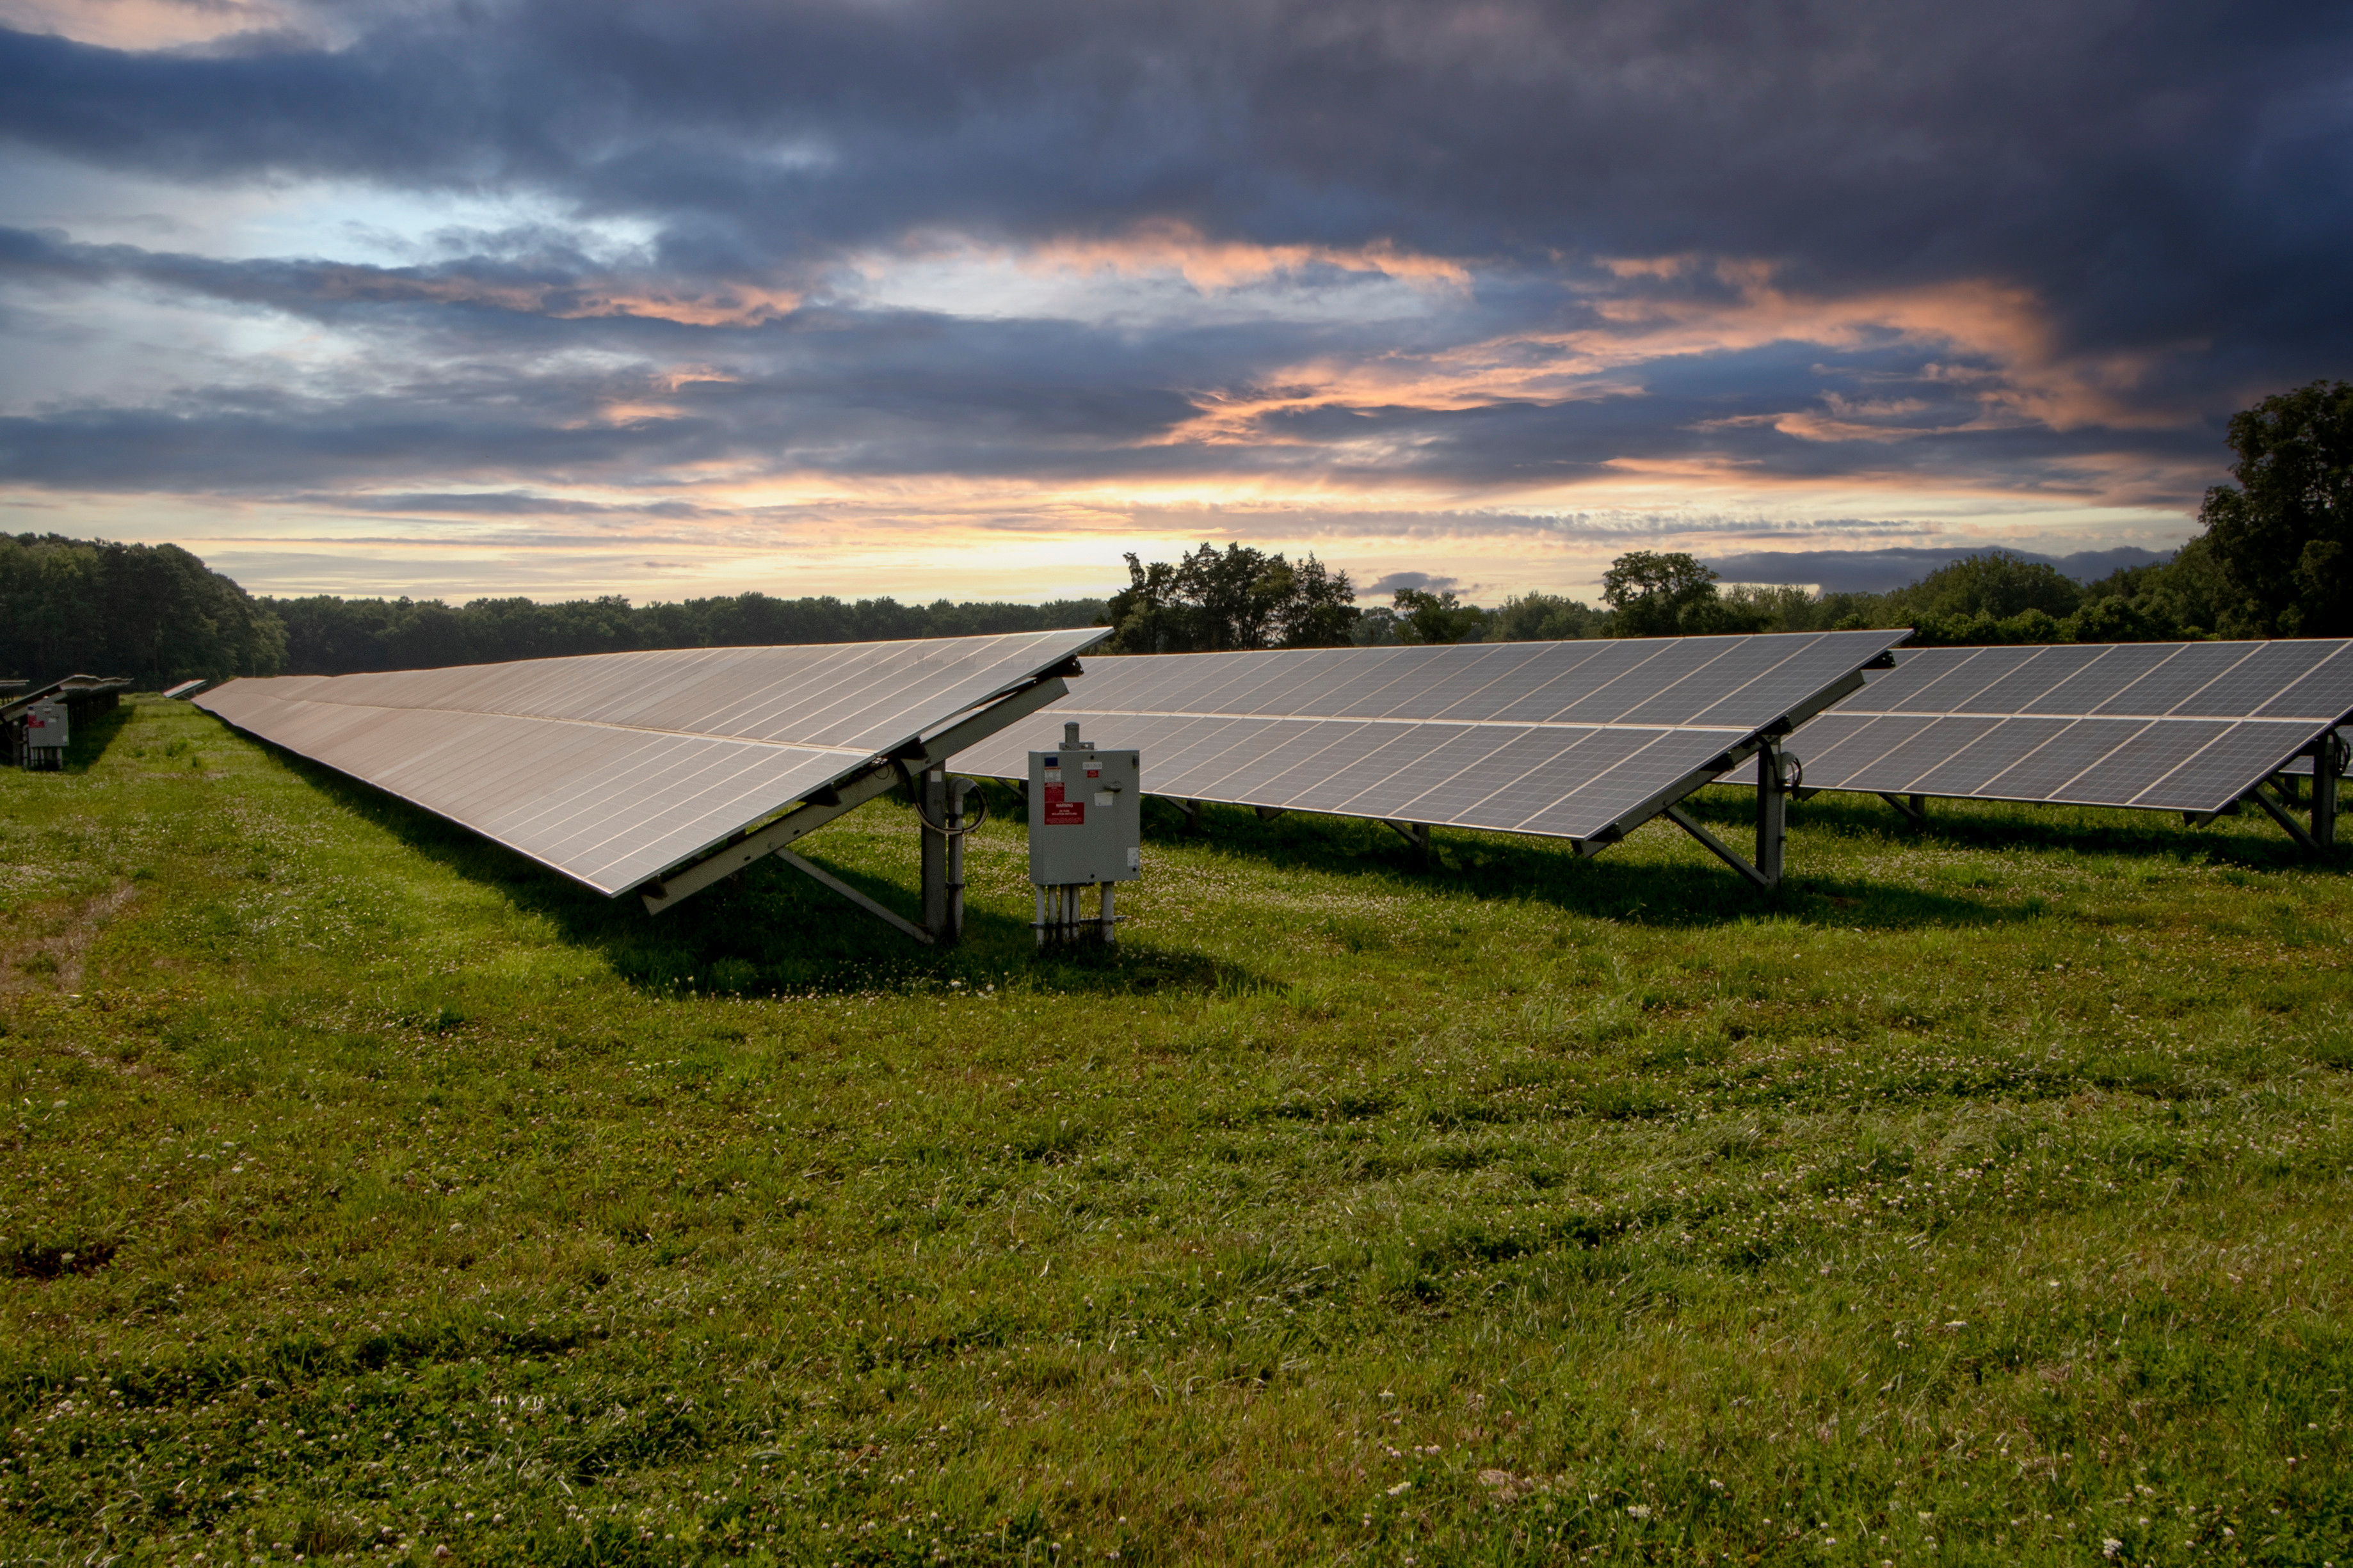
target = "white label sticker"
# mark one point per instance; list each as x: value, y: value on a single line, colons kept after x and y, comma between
x: 1053, y: 775
x: 1103, y: 797
x: 1135, y: 858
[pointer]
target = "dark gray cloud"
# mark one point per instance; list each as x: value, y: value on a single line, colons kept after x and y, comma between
x: 2156, y: 194
x: 1400, y: 582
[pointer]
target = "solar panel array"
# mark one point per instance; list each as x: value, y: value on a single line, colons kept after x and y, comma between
x: 614, y: 768
x: 1579, y: 740
x: 2172, y: 726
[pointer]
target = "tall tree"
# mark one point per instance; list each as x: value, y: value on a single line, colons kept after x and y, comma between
x: 2283, y: 536
x: 1239, y: 598
x: 1426, y: 617
x: 1666, y: 595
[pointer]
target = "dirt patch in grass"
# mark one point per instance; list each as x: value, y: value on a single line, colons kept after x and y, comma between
x: 46, y: 950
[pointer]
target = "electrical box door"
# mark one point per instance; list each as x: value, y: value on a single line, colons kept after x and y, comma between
x: 45, y: 725
x: 1086, y: 817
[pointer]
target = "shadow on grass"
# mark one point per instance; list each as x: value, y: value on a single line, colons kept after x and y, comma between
x: 2252, y: 842
x: 1549, y: 871
x: 89, y: 737
x: 769, y: 930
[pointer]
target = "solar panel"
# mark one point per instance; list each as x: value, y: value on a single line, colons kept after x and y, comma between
x: 2174, y: 726
x: 1580, y: 739
x: 185, y: 688
x: 614, y: 769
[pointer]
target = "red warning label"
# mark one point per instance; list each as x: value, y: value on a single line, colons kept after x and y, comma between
x: 1066, y: 814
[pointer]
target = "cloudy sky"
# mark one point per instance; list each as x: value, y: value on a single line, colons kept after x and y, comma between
x: 907, y: 296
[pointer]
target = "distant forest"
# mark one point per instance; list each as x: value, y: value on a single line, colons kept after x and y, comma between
x: 2274, y: 559
x: 156, y: 614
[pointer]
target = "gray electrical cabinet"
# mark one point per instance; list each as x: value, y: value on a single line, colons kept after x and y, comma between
x: 45, y: 732
x: 1086, y: 815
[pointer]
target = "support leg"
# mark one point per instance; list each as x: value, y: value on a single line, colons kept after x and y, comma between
x: 958, y: 790
x: 932, y: 796
x: 1772, y: 812
x: 1110, y: 921
x: 2327, y: 765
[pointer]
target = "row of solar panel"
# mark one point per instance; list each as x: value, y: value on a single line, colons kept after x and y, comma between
x: 618, y: 768
x: 2186, y: 726
x: 2173, y: 726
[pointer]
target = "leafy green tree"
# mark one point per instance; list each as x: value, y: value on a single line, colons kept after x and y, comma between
x: 1239, y: 598
x: 1426, y: 617
x: 1652, y: 594
x: 2283, y: 536
x: 1545, y: 618
x: 1998, y: 585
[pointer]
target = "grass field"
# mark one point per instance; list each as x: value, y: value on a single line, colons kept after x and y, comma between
x: 370, y: 1194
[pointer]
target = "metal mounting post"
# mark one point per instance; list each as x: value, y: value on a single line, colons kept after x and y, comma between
x: 1777, y: 775
x: 2329, y: 758
x: 1267, y: 813
x: 1914, y: 811
x: 932, y: 798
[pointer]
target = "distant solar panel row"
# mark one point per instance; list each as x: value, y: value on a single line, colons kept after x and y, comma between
x: 615, y: 768
x: 1577, y: 740
x: 2174, y: 726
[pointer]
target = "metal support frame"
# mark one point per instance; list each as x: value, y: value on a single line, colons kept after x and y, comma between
x: 1414, y: 833
x: 1914, y: 811
x: 829, y: 879
x: 1267, y: 813
x: 914, y: 762
x: 943, y: 854
x: 1777, y: 775
x: 2279, y: 814
x: 2328, y: 760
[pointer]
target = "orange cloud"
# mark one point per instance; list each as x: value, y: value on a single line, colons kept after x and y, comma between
x: 1164, y: 244
x: 731, y: 305
x: 2028, y: 377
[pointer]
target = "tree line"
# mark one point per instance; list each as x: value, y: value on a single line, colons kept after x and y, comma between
x: 331, y: 636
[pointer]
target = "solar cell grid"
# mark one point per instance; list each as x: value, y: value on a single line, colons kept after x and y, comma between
x: 615, y: 768
x: 2082, y: 680
x: 1583, y: 738
x: 2188, y: 726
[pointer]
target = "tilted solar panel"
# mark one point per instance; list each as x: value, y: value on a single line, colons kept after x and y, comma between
x: 2173, y: 726
x: 614, y: 768
x: 1577, y: 740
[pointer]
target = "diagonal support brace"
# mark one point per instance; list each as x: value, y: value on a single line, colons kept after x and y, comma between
x: 1914, y: 811
x: 826, y: 879
x: 1716, y: 847
x: 2280, y: 814
x: 1414, y: 833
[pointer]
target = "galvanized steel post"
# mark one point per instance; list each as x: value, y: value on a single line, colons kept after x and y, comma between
x: 1772, y: 810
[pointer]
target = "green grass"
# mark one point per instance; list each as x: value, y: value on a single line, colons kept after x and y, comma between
x: 371, y: 1194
